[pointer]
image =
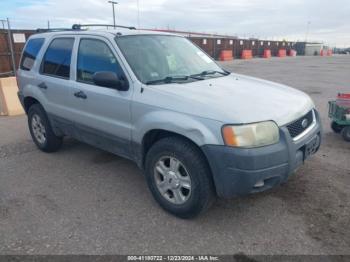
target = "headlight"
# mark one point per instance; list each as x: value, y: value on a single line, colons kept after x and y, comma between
x: 251, y: 135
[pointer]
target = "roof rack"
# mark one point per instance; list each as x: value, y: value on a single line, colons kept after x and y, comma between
x: 79, y: 26
x: 44, y: 30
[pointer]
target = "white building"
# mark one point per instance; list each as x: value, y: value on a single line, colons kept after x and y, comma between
x: 314, y: 48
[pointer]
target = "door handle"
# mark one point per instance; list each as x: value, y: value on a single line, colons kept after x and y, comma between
x: 80, y: 94
x: 42, y: 85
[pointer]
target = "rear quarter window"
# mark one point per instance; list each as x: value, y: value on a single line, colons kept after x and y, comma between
x: 30, y: 53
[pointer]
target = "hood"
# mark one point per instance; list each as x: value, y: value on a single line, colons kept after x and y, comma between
x: 236, y: 99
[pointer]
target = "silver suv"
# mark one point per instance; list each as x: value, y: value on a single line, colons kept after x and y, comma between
x: 196, y: 130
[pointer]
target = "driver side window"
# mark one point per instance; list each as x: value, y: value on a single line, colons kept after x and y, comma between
x: 95, y: 56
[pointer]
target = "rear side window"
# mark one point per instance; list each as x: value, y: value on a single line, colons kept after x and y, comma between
x: 95, y: 56
x: 56, y: 61
x: 30, y: 53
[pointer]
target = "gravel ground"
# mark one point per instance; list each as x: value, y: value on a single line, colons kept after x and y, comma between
x: 82, y: 200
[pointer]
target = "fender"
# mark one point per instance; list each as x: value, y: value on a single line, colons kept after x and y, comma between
x: 201, y: 131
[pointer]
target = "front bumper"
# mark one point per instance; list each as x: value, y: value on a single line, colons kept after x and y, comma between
x: 240, y: 171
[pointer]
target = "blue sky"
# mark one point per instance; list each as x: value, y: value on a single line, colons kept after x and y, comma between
x: 287, y: 19
x: 8, y: 7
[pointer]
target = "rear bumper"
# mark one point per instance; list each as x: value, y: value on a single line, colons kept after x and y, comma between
x: 239, y: 171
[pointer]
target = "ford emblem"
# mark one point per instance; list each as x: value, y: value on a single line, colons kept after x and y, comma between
x: 304, y: 123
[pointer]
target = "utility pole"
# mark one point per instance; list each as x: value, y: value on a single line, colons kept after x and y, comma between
x: 9, y: 34
x: 138, y: 14
x: 307, y: 30
x: 113, y: 4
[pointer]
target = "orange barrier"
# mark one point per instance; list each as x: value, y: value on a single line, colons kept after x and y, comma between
x: 323, y: 52
x: 247, y: 54
x: 292, y: 52
x: 226, y: 55
x: 267, y: 53
x: 329, y: 52
x: 343, y: 100
x: 282, y: 53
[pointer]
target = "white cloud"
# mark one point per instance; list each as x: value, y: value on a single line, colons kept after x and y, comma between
x: 259, y: 18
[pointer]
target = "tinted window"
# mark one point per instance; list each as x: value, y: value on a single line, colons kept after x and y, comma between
x: 30, y: 52
x: 57, y: 58
x: 95, y: 56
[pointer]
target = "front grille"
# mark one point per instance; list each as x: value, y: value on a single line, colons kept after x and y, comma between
x: 296, y: 128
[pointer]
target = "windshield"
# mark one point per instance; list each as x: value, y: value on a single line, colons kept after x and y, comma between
x: 159, y: 59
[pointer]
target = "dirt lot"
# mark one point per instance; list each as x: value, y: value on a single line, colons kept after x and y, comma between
x: 83, y: 200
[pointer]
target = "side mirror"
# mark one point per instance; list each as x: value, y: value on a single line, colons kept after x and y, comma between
x: 110, y: 80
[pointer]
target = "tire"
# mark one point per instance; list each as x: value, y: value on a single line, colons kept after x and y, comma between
x: 346, y: 133
x: 187, y: 192
x: 41, y: 130
x: 336, y: 128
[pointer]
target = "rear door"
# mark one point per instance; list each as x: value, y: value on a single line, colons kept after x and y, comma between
x: 54, y: 77
x: 102, y: 115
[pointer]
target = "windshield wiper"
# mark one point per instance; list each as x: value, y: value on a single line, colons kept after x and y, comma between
x: 172, y: 79
x: 211, y: 72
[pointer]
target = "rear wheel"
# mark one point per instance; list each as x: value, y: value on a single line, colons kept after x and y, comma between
x: 41, y: 130
x: 179, y: 177
x: 336, y: 128
x: 346, y: 133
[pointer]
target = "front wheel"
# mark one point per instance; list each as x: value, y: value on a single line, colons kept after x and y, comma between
x: 346, y: 133
x: 179, y: 177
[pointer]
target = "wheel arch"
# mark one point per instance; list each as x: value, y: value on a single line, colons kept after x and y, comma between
x: 155, y: 125
x: 154, y: 135
x: 28, y: 102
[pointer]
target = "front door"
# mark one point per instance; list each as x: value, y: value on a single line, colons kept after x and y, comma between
x: 102, y: 115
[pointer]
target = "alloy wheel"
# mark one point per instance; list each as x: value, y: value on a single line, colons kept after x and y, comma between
x: 172, y: 180
x: 38, y: 129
